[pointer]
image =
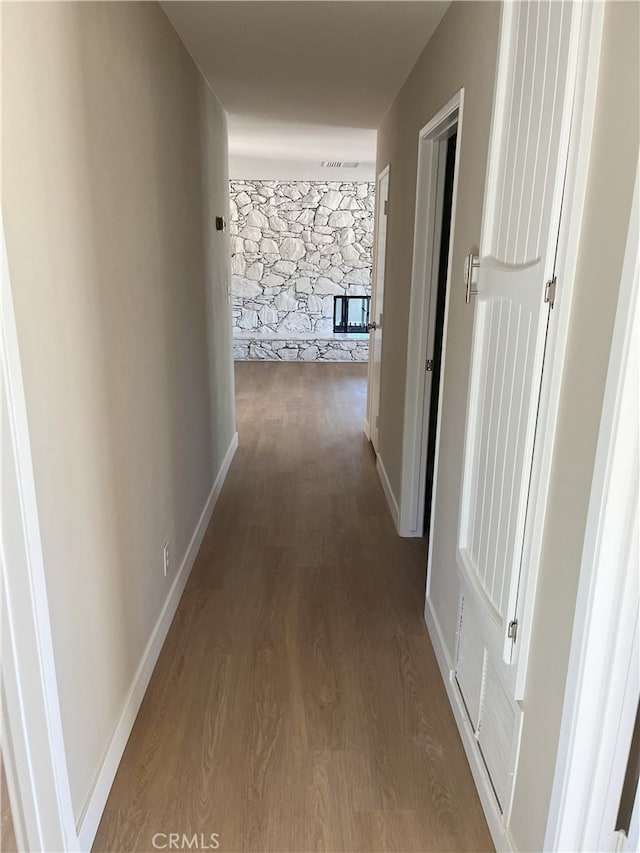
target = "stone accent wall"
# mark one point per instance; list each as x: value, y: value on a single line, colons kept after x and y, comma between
x: 300, y: 349
x: 294, y: 246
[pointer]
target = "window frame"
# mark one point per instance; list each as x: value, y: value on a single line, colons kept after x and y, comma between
x: 341, y: 314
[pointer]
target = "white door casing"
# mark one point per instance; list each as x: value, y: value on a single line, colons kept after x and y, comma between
x: 32, y: 743
x: 521, y: 217
x: 432, y: 144
x: 603, y: 682
x: 377, y: 308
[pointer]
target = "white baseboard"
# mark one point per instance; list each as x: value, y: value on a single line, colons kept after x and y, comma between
x: 406, y: 530
x: 388, y: 492
x: 437, y: 641
x: 90, y: 820
x: 499, y: 833
x: 367, y: 429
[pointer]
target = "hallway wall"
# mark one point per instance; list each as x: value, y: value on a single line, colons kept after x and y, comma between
x: 120, y: 288
x: 462, y: 53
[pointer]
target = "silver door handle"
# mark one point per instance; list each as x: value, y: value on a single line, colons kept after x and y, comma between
x: 371, y: 327
x: 472, y: 262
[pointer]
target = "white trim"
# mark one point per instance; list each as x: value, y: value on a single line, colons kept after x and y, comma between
x: 422, y: 312
x: 44, y: 816
x: 437, y: 640
x: 588, y: 61
x: 369, y: 419
x: 388, y: 491
x: 12, y: 791
x: 602, y: 685
x: 499, y: 833
x: 94, y: 808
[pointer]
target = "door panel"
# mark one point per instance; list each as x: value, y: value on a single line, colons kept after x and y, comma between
x: 531, y: 129
x: 470, y: 665
x: 497, y: 733
x: 506, y: 370
x: 375, y: 335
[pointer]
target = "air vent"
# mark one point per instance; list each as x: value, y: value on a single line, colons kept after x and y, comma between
x: 338, y: 164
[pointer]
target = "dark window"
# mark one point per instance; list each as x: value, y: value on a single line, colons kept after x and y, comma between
x: 350, y: 313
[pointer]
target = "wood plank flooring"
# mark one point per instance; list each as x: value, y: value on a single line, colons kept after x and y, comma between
x: 297, y: 703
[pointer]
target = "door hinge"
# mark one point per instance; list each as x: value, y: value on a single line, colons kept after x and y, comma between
x: 550, y: 291
x: 429, y: 365
x: 386, y: 207
x: 377, y: 421
x: 512, y: 630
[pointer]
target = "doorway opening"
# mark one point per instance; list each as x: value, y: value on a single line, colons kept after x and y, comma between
x: 436, y: 362
x: 438, y: 156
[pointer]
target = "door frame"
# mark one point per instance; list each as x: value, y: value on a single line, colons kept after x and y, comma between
x: 424, y: 292
x: 385, y: 173
x: 32, y: 737
x: 603, y: 678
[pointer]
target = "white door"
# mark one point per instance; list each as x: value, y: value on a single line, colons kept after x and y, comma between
x: 375, y: 332
x: 507, y: 354
x: 521, y: 215
x: 506, y: 369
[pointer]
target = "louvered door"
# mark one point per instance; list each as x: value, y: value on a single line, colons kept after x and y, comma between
x: 528, y: 156
x: 506, y: 368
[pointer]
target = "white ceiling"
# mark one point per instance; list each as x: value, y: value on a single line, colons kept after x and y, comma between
x: 304, y: 82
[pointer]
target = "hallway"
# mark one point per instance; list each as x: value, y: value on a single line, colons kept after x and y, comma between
x: 297, y: 703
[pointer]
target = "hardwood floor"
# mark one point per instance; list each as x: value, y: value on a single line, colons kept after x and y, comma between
x: 297, y: 704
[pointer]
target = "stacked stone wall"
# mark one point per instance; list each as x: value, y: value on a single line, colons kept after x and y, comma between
x: 294, y: 246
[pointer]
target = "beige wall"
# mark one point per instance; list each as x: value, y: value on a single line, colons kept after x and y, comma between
x: 461, y: 53
x: 605, y: 227
x: 115, y: 267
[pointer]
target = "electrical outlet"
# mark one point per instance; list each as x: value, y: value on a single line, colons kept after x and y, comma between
x: 166, y: 559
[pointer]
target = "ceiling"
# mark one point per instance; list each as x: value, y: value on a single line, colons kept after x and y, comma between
x: 304, y: 82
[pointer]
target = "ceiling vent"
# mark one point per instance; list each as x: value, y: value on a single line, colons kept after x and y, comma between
x: 339, y: 164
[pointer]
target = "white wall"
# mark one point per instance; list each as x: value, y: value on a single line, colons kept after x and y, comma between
x: 284, y: 168
x: 120, y: 290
